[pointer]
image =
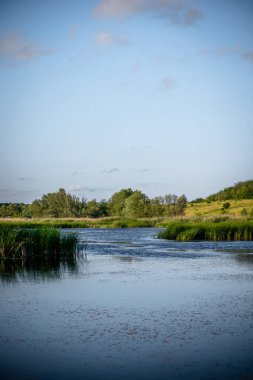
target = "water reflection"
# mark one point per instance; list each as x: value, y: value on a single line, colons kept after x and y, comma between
x: 36, y: 269
x: 246, y: 258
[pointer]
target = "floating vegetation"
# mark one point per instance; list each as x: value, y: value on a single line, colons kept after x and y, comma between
x: 219, y: 231
x: 16, y: 242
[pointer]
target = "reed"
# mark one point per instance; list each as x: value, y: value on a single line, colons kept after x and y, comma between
x: 214, y: 231
x: 34, y: 241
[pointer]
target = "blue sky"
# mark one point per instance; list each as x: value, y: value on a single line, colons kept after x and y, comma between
x: 108, y: 94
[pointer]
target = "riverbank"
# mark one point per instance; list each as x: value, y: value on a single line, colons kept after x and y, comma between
x: 106, y: 222
x: 115, y: 222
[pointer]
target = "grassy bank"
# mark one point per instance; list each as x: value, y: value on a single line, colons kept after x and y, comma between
x: 106, y: 222
x: 225, y: 230
x: 16, y: 242
x: 111, y: 222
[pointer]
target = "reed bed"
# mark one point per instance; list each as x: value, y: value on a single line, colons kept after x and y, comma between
x: 16, y: 242
x: 213, y: 231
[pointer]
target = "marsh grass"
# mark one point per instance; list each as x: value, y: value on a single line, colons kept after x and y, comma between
x: 208, y: 230
x: 107, y: 222
x: 18, y: 242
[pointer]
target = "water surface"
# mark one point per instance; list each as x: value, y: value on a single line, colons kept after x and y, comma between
x: 135, y: 308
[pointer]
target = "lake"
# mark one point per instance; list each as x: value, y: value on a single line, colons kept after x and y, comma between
x: 135, y: 308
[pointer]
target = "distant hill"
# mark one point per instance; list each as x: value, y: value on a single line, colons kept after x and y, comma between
x: 240, y: 190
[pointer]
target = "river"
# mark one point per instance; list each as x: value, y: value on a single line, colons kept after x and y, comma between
x: 134, y: 307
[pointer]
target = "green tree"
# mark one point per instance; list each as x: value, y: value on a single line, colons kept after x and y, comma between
x: 58, y: 204
x: 117, y: 202
x: 137, y: 205
x: 181, y: 204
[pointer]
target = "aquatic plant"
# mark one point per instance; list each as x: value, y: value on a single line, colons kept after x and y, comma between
x: 215, y: 231
x: 34, y: 241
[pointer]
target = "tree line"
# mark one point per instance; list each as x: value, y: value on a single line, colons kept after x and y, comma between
x: 240, y: 190
x: 124, y: 203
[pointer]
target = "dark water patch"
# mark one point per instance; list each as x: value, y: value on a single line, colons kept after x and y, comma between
x: 36, y: 269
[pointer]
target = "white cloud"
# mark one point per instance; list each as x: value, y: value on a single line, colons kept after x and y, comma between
x: 16, y: 49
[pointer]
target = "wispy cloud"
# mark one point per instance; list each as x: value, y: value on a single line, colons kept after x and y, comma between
x: 108, y: 39
x: 248, y: 56
x: 117, y: 8
x: 24, y: 179
x: 141, y: 148
x: 152, y: 184
x: 110, y: 171
x: 223, y: 51
x: 77, y: 173
x: 74, y: 30
x: 180, y: 12
x: 167, y: 84
x: 10, y: 195
x: 77, y: 189
x: 16, y: 49
x: 220, y: 51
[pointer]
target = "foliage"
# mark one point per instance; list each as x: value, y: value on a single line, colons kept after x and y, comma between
x: 241, y: 190
x: 12, y: 209
x: 137, y: 205
x: 118, y: 201
x: 130, y: 203
x: 124, y: 203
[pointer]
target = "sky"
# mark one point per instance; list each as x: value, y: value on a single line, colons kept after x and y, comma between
x: 96, y: 96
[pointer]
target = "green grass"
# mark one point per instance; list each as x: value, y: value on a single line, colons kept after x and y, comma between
x: 211, y: 209
x: 107, y: 222
x: 205, y: 230
x: 33, y: 241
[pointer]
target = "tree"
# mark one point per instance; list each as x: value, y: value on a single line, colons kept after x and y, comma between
x: 58, y: 204
x: 181, y: 204
x: 137, y: 205
x: 117, y: 202
x: 225, y: 206
x: 157, y: 206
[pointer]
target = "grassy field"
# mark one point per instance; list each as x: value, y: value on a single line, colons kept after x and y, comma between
x: 237, y: 209
x: 83, y: 222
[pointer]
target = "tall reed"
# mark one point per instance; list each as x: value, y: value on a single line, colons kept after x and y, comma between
x: 225, y: 230
x: 28, y: 242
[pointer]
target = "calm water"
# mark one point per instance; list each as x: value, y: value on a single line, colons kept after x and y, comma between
x: 135, y: 308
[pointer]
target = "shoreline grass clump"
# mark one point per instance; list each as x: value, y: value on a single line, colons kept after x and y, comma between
x: 16, y: 242
x: 205, y: 230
